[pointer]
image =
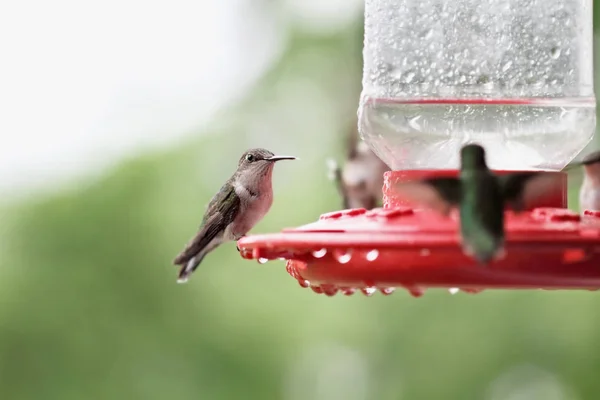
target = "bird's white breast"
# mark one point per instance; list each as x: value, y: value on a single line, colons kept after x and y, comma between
x: 241, y: 190
x: 253, y: 207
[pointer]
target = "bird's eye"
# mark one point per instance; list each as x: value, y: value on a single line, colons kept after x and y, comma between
x: 249, y: 157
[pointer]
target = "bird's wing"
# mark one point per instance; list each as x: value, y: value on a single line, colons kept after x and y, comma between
x: 523, y: 188
x: 439, y: 194
x: 224, y: 199
x: 221, y: 211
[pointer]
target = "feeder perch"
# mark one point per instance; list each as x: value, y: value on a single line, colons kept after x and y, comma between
x: 398, y: 246
x: 515, y: 78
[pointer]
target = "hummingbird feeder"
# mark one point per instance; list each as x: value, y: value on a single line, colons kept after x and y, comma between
x: 512, y: 76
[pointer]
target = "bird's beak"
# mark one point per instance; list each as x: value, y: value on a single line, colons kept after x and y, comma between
x: 277, y: 158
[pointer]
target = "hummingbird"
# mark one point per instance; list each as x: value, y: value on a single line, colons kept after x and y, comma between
x: 360, y: 182
x: 589, y: 193
x: 481, y: 196
x: 241, y: 203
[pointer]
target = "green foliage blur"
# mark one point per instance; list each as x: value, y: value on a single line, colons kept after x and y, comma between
x: 89, y: 307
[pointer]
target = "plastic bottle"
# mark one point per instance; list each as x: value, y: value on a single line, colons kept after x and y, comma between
x: 515, y: 76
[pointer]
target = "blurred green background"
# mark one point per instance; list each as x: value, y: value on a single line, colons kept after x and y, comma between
x: 89, y: 307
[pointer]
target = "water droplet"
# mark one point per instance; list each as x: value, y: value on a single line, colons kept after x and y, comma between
x: 317, y: 289
x: 427, y: 34
x: 425, y: 252
x: 342, y: 256
x: 472, y: 290
x: 507, y: 66
x: 396, y: 73
x: 488, y: 87
x: 483, y: 79
x: 454, y: 290
x: 555, y: 52
x: 368, y: 291
x: 262, y: 260
x: 409, y: 77
x: 415, y: 291
x: 348, y: 291
x: 372, y: 255
x: 387, y: 291
x: 329, y: 290
x: 304, y: 283
x: 319, y: 253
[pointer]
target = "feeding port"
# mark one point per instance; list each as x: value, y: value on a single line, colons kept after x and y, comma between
x: 514, y: 77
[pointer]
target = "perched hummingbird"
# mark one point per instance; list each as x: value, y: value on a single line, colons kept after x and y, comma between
x: 480, y: 196
x: 240, y: 204
x: 589, y: 194
x: 360, y: 182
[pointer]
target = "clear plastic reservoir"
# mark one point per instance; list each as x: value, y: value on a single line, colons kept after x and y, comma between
x: 515, y: 76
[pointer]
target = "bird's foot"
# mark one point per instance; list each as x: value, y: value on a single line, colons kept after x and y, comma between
x: 237, y: 246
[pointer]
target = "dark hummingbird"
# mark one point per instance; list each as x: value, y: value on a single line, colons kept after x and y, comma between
x: 240, y: 204
x: 360, y: 181
x: 589, y: 193
x: 481, y: 196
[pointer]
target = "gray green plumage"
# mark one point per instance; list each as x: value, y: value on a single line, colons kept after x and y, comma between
x: 241, y: 202
x: 481, y: 197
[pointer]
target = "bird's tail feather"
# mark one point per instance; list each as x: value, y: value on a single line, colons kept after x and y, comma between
x: 188, y: 268
x: 192, y: 248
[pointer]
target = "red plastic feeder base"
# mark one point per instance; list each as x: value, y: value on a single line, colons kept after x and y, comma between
x: 398, y: 246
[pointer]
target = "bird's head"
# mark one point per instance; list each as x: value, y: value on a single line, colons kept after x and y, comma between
x: 257, y: 163
x: 472, y: 156
x: 592, y: 158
